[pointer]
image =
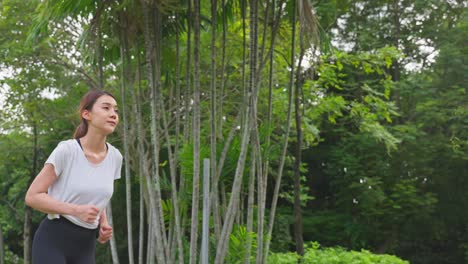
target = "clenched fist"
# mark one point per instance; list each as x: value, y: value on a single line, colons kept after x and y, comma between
x: 105, y: 233
x: 87, y: 213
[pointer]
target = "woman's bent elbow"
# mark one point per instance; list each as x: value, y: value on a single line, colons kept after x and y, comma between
x: 28, y: 200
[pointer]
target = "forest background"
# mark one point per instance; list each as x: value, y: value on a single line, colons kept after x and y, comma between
x: 340, y: 122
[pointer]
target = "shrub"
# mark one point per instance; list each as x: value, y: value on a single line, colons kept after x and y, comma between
x: 335, y: 255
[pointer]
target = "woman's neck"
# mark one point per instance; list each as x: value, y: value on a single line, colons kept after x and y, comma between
x: 93, y: 142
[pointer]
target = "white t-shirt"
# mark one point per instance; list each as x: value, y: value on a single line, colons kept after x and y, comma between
x: 82, y: 182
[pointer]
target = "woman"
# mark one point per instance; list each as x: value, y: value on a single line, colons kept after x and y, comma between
x: 75, y: 186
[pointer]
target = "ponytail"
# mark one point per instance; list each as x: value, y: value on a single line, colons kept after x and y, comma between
x: 81, y: 130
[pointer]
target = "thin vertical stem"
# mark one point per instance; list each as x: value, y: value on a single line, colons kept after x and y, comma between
x: 2, y: 250
x: 250, y: 206
x: 173, y: 172
x: 213, y: 118
x: 125, y: 59
x: 141, y: 226
x: 196, y: 136
x: 155, y: 196
x: 285, y: 137
x: 223, y: 73
x: 298, y: 160
x: 188, y: 75
x: 113, y: 244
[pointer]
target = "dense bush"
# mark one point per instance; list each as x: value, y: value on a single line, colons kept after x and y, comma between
x: 11, y: 258
x: 316, y: 255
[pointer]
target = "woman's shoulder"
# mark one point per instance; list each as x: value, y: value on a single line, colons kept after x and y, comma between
x: 67, y: 142
x: 66, y: 145
x: 115, y: 151
x: 61, y: 155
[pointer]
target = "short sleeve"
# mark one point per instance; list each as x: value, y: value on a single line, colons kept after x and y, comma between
x: 58, y: 158
x: 118, y: 168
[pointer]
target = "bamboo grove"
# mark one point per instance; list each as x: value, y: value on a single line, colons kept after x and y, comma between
x: 164, y: 106
x: 233, y: 91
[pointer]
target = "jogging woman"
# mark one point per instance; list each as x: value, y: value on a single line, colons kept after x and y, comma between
x: 75, y: 186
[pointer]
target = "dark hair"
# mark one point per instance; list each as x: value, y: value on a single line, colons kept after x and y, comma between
x: 87, y: 103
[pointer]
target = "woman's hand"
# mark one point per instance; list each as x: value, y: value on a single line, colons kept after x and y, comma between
x: 87, y: 213
x: 105, y: 233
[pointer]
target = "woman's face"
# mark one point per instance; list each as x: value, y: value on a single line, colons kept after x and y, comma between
x: 103, y: 116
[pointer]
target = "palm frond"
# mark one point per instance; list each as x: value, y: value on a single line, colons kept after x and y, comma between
x: 52, y: 10
x: 308, y: 22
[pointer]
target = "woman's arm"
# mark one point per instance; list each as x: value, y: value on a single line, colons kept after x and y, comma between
x: 37, y: 198
x: 103, y: 217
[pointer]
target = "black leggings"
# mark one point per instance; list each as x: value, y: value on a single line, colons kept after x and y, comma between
x: 59, y: 241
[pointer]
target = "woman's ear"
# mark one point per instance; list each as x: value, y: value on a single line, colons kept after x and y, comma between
x: 86, y: 115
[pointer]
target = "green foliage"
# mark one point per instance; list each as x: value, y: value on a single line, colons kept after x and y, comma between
x: 363, y: 188
x: 283, y: 258
x: 334, y: 255
x: 11, y: 258
x: 352, y: 88
x: 14, y: 172
x: 281, y: 240
x: 332, y: 228
x: 340, y: 256
x: 304, y: 196
x: 237, y: 245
